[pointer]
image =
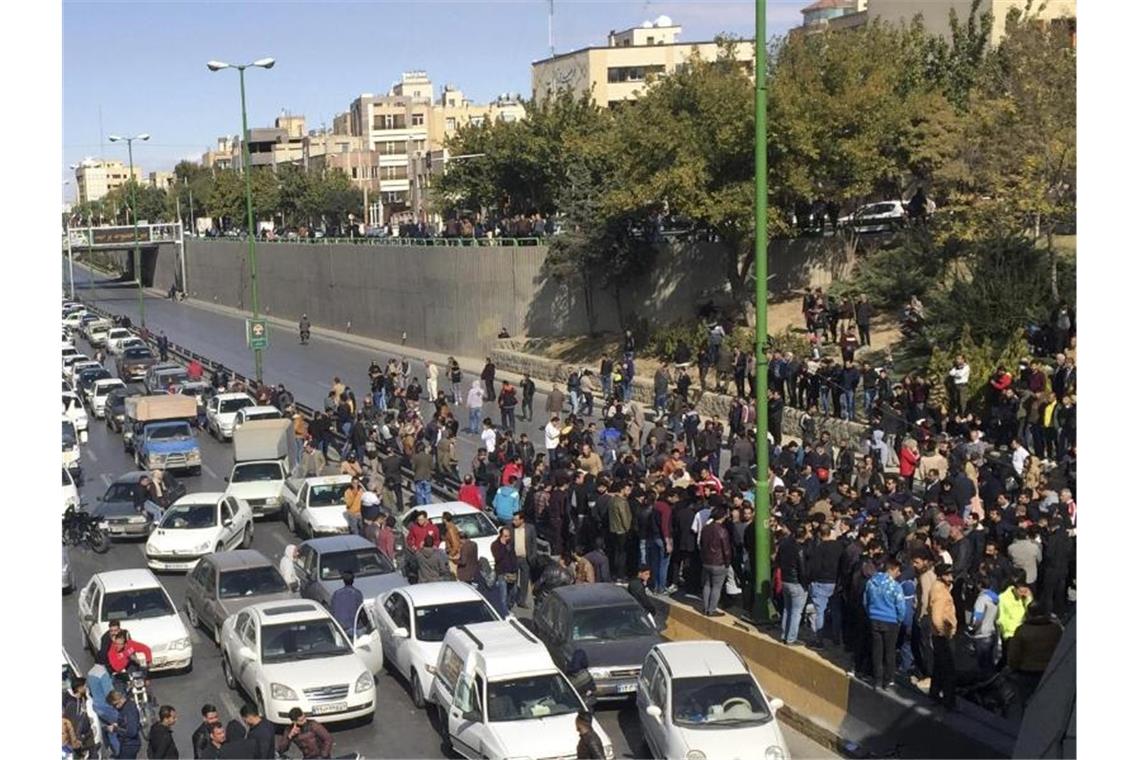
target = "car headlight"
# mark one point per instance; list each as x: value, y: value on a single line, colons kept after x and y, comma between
x: 153, y: 458
x: 273, y: 501
x: 280, y: 691
x: 695, y: 754
x: 202, y: 547
x: 599, y: 672
x: 775, y: 752
x: 182, y: 643
x: 364, y: 683
x: 194, y: 456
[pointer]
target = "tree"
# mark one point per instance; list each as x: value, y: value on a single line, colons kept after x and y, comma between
x: 225, y: 199
x: 294, y: 184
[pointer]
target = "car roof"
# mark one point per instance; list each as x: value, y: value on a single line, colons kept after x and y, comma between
x: 287, y: 611
x: 694, y: 659
x: 586, y: 595
x: 338, y: 543
x: 125, y: 580
x: 439, y: 592
x: 504, y: 646
x: 232, y: 395
x: 238, y: 558
x: 435, y: 511
x: 201, y: 497
x: 329, y: 480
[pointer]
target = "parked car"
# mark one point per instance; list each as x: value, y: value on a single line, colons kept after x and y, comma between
x: 884, y: 216
x: 115, y: 408
x: 100, y: 391
x: 413, y: 621
x: 73, y: 410
x: 116, y: 507
x: 600, y: 628
x: 294, y: 654
x: 250, y: 413
x: 221, y: 411
x: 196, y: 525
x: 139, y: 601
x: 160, y: 377
x: 699, y: 699
x: 315, y: 506
x: 224, y: 583
x: 87, y: 378
x: 115, y: 338
x: 323, y: 560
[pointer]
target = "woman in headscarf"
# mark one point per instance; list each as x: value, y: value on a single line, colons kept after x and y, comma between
x: 285, y: 566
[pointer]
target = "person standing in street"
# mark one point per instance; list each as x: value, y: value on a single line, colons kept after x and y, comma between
x: 523, y: 541
x: 716, y: 558
x: 863, y: 313
x: 127, y: 726
x: 508, y: 400
x: 883, y: 599
x: 488, y: 378
x: 260, y: 732
x: 527, y: 388
x: 422, y: 467
x: 620, y: 521
x: 589, y: 743
x: 345, y: 601
x: 215, y: 742
x: 201, y: 736
x: 793, y: 574
x: 310, y: 737
x: 944, y: 624
x: 160, y: 742
x: 431, y: 375
x: 475, y: 397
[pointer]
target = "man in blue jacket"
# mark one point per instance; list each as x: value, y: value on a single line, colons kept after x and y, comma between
x: 127, y: 727
x: 886, y: 606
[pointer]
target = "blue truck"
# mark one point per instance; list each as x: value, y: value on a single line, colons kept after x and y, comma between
x: 161, y: 433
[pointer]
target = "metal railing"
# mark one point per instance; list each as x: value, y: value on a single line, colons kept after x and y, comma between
x: 413, y: 242
x: 443, y: 484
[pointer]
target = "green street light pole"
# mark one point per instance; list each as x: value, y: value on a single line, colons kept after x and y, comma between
x: 251, y: 233
x: 761, y: 562
x: 135, y: 216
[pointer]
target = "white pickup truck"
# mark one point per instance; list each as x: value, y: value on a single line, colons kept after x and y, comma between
x: 265, y: 452
x: 315, y: 506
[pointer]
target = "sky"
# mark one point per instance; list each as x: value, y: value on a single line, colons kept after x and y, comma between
x: 131, y: 67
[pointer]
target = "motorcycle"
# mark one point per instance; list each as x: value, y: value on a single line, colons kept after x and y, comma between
x: 81, y: 527
x: 135, y: 685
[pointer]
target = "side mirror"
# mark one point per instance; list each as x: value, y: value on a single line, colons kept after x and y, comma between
x: 776, y: 704
x: 400, y: 633
x: 227, y: 523
x: 245, y: 653
x: 226, y: 478
x: 430, y: 669
x: 653, y: 711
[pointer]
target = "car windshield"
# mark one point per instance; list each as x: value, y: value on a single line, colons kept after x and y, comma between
x: 878, y: 208
x: 471, y: 524
x: 117, y: 401
x: 256, y: 473
x: 531, y: 697
x: 433, y: 622
x: 605, y: 623
x: 136, y: 604
x: 231, y: 405
x: 711, y: 701
x: 190, y: 517
x: 137, y: 353
x: 176, y: 377
x: 106, y: 388
x: 304, y: 640
x: 120, y: 492
x: 69, y: 437
x: 327, y: 495
x: 359, y: 562
x: 89, y: 376
x: 169, y: 432
x: 250, y: 581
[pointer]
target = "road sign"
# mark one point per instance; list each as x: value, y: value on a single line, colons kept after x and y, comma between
x: 257, y: 333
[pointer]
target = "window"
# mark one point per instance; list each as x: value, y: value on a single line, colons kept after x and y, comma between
x: 450, y: 666
x: 199, y: 574
x: 251, y: 581
x: 432, y: 623
x: 450, y: 124
x: 708, y: 700
x: 531, y: 697
x: 650, y: 670
x: 417, y: 120
x: 476, y: 121
x: 657, y: 692
x: 363, y: 622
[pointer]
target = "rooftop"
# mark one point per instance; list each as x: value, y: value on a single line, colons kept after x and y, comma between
x: 132, y: 578
x: 440, y: 592
x: 694, y: 659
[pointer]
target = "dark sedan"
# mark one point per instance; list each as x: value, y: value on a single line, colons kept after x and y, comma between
x: 116, y: 507
x: 599, y: 629
x: 116, y: 411
x: 134, y: 363
x: 87, y: 379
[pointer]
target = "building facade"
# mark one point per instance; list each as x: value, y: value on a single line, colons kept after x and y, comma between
x: 94, y: 178
x: 161, y: 180
x: 621, y: 69
x: 221, y: 156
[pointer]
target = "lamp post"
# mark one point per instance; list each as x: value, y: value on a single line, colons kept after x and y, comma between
x: 70, y: 257
x: 130, y: 141
x: 261, y: 63
x: 761, y: 562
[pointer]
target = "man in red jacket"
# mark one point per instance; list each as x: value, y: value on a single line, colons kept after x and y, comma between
x: 469, y: 492
x: 716, y: 557
x: 122, y: 650
x: 418, y: 530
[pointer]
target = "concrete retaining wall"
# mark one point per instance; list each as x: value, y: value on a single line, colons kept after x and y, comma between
x: 455, y: 299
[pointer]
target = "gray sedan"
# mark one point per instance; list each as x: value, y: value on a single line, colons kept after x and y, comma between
x: 226, y: 582
x: 323, y: 560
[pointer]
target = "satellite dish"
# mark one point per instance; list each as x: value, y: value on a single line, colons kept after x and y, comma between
x: 646, y: 24
x: 663, y: 21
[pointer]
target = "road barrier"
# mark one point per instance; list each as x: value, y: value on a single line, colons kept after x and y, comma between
x: 448, y: 242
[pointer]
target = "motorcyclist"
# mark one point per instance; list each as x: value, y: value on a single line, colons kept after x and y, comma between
x: 305, y: 326
x: 122, y: 651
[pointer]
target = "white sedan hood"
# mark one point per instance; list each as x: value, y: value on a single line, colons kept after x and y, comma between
x: 155, y: 632
x: 743, y: 743
x: 542, y: 737
x: 184, y: 540
x: 328, y: 517
x: 316, y: 673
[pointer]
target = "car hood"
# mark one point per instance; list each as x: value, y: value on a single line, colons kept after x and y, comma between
x: 257, y: 490
x: 309, y: 674
x: 741, y: 743
x: 165, y: 539
x: 369, y: 585
x: 554, y: 736
x: 234, y: 606
x: 114, y: 509
x: 617, y: 653
x: 168, y: 447
x: 331, y: 517
x: 155, y: 631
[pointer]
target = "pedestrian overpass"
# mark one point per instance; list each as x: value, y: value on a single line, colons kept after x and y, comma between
x: 161, y: 251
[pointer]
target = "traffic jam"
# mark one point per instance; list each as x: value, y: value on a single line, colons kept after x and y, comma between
x: 207, y: 564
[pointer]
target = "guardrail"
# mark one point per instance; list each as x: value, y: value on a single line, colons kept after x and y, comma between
x: 413, y: 242
x: 443, y: 485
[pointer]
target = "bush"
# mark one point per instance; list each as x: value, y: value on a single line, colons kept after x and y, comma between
x: 664, y: 340
x: 892, y: 274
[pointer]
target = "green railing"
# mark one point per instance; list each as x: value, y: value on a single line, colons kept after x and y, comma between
x: 452, y: 242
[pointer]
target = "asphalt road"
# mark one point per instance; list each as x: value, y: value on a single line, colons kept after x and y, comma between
x: 399, y: 730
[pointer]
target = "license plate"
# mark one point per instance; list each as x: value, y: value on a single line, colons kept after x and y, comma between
x: 626, y: 688
x: 331, y: 707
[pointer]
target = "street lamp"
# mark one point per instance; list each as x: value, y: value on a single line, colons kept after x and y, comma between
x: 70, y: 258
x: 261, y: 63
x: 135, y: 214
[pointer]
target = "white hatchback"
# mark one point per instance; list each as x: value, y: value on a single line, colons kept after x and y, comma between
x: 136, y: 599
x: 196, y: 525
x: 99, y: 392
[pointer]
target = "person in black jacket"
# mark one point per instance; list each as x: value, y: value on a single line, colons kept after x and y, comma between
x: 637, y: 590
x: 793, y: 576
x: 260, y: 732
x: 822, y: 573
x: 201, y: 736
x: 160, y: 742
x: 589, y: 743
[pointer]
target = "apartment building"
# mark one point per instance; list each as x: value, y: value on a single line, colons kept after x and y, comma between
x: 621, y: 70
x: 161, y: 180
x: 94, y: 178
x: 221, y: 156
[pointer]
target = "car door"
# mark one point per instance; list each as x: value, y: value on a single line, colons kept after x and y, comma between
x: 247, y: 668
x: 366, y: 638
x: 89, y: 613
x: 660, y: 729
x: 650, y: 727
x: 196, y: 588
x: 300, y: 512
x: 305, y: 568
x: 465, y: 719
x: 229, y: 512
x: 212, y: 412
x: 212, y: 606
x: 400, y: 635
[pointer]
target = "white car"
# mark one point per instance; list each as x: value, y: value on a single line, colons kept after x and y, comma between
x: 698, y: 699
x: 70, y: 359
x: 136, y: 599
x: 196, y: 525
x: 315, y: 506
x: 115, y: 338
x: 96, y: 332
x: 70, y: 492
x: 73, y: 410
x: 879, y: 217
x: 221, y: 411
x: 99, y: 392
x: 413, y: 621
x: 74, y: 319
x: 294, y: 654
x: 250, y: 413
x: 470, y: 522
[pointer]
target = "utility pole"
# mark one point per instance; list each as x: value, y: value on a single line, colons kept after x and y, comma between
x: 550, y: 27
x: 130, y: 141
x: 761, y: 563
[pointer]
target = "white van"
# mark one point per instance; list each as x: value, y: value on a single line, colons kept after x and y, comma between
x: 498, y: 695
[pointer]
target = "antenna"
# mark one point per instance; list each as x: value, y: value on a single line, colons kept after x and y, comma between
x: 550, y: 28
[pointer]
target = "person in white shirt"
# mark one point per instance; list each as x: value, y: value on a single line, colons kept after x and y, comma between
x: 1020, y: 455
x: 489, y: 436
x: 553, y: 434
x: 959, y: 379
x: 474, y: 406
x: 285, y: 565
x: 432, y: 373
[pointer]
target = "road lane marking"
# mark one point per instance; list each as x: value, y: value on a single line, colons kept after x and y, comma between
x: 90, y: 452
x: 206, y: 469
x: 106, y: 479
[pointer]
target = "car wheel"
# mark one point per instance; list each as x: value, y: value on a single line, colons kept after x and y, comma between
x: 290, y: 521
x: 247, y: 538
x: 192, y: 616
x: 417, y: 691
x: 227, y: 673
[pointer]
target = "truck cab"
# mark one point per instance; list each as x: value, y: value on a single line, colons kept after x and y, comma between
x: 265, y: 452
x: 167, y: 445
